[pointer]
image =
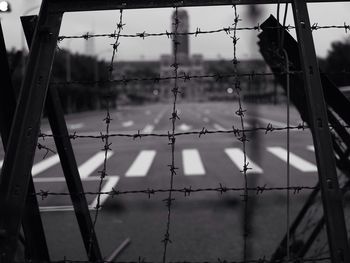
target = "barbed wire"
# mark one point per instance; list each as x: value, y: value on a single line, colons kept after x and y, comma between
x: 187, y: 77
x: 107, y: 120
x: 236, y: 131
x: 186, y: 191
x: 239, y: 133
x: 172, y: 139
x: 242, y: 135
x: 227, y: 30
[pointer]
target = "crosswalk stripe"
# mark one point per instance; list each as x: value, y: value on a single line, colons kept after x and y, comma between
x: 111, y: 182
x: 311, y: 148
x: 192, y: 162
x: 274, y: 123
x: 1, y: 162
x: 62, y: 179
x: 45, y: 164
x: 141, y: 164
x: 61, y: 208
x: 218, y: 127
x: 237, y: 157
x: 93, y: 163
x: 148, y: 128
x: 294, y: 160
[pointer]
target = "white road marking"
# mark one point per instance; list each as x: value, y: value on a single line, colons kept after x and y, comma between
x: 218, y: 127
x: 92, y: 164
x: 184, y: 127
x: 75, y: 126
x: 311, y: 148
x: 63, y: 179
x: 206, y: 119
x: 127, y: 123
x: 192, y: 162
x: 111, y: 182
x: 141, y: 164
x: 294, y: 160
x: 237, y: 157
x: 45, y: 164
x: 61, y: 208
x: 274, y: 123
x: 159, y: 116
x: 1, y: 162
x: 148, y: 129
x: 246, y: 125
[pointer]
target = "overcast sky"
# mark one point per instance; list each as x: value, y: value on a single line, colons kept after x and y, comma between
x: 152, y: 21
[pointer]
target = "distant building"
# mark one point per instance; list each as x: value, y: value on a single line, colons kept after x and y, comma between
x: 188, y: 65
x: 261, y: 88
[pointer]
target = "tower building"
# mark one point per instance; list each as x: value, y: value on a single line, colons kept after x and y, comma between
x: 183, y: 40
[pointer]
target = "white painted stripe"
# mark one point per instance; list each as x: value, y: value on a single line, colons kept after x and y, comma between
x: 141, y: 164
x: 192, y: 162
x: 93, y: 163
x: 246, y: 125
x: 311, y: 148
x: 45, y: 164
x: 75, y: 126
x: 148, y: 128
x: 62, y: 179
x: 1, y: 162
x: 294, y: 160
x: 111, y: 182
x: 218, y: 127
x: 127, y: 123
x: 206, y: 119
x: 61, y: 208
x: 237, y: 157
x: 274, y: 123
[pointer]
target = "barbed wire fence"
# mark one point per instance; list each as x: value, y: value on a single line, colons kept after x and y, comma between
x: 240, y: 133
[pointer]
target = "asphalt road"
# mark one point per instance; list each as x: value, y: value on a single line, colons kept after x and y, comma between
x: 204, y: 226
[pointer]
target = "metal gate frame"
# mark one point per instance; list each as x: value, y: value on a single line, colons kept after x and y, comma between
x: 15, y: 176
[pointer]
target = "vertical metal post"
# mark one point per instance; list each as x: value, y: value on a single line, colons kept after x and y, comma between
x: 65, y: 151
x: 35, y: 241
x: 331, y: 195
x: 15, y: 175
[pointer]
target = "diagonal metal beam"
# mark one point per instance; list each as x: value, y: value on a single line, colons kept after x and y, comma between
x: 35, y: 241
x: 65, y: 151
x: 331, y: 194
x: 15, y: 174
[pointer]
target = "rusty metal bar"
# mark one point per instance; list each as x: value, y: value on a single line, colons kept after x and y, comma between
x: 65, y: 151
x: 35, y: 241
x: 92, y: 5
x: 24, y: 132
x: 331, y: 195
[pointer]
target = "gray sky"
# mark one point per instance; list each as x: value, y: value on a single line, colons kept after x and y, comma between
x: 152, y: 21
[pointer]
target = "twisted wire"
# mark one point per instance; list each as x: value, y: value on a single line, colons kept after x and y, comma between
x: 105, y: 137
x: 227, y: 30
x: 186, y: 191
x: 172, y: 139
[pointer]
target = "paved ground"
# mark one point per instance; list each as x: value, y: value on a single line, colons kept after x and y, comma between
x: 204, y: 226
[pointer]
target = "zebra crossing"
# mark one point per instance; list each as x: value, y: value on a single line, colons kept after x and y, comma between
x: 191, y: 160
x: 192, y: 165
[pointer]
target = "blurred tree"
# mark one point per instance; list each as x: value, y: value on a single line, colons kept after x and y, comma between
x: 337, y: 61
x: 74, y: 97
